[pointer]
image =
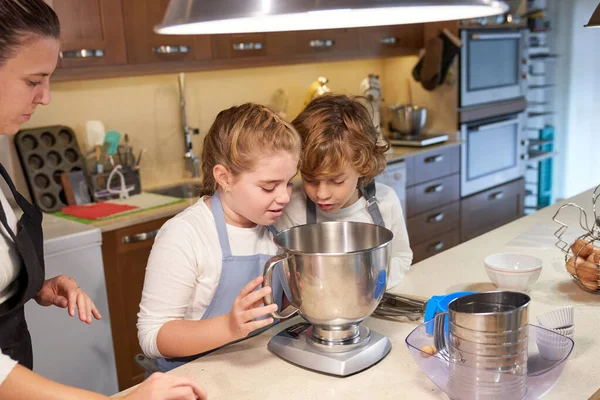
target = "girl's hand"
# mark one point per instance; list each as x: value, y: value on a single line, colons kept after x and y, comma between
x: 247, y: 307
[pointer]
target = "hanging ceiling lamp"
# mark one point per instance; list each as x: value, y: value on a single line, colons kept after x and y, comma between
x: 594, y: 21
x: 245, y: 16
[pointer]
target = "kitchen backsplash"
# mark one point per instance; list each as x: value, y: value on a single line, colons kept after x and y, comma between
x: 147, y: 108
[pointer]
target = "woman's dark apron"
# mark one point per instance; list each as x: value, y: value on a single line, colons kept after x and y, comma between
x: 15, y: 340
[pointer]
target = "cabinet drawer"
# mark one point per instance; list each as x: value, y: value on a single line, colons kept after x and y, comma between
x: 432, y: 194
x: 434, y: 164
x: 145, y: 46
x: 491, y: 209
x: 424, y: 226
x: 239, y: 46
x: 317, y: 42
x: 139, y: 236
x: 391, y: 40
x: 435, y: 245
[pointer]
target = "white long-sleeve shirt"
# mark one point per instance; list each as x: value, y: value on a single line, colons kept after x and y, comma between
x: 9, y: 259
x: 184, y: 269
x: 391, y: 211
x: 6, y: 366
x: 9, y: 270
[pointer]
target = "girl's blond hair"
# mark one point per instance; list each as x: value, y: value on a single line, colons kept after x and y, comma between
x: 242, y: 134
x: 337, y: 131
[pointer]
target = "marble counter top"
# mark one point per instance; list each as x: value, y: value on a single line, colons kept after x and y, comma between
x: 247, y: 370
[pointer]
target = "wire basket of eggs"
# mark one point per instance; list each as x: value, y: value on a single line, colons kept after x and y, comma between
x: 582, y: 256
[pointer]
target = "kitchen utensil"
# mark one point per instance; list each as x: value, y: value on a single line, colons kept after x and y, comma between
x: 586, y: 276
x: 396, y: 305
x: 370, y: 88
x: 540, y: 378
x: 407, y: 120
x: 494, y: 312
x: 95, y: 133
x: 512, y: 271
x: 111, y: 140
x: 316, y: 89
x: 45, y: 153
x: 499, y: 313
x: 334, y: 274
x: 139, y: 159
x: 279, y: 103
x: 123, y: 190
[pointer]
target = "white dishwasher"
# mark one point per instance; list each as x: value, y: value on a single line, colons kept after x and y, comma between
x: 65, y: 349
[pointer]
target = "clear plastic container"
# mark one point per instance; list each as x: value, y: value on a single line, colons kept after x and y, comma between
x: 541, y: 377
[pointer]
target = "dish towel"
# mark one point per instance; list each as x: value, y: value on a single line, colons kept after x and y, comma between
x: 97, y: 210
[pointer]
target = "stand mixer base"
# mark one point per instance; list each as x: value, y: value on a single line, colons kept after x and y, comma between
x: 298, y: 349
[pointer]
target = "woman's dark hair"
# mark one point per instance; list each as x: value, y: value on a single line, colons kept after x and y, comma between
x: 24, y: 20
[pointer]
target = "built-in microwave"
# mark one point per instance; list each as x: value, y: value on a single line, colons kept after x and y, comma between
x: 493, y: 66
x: 493, y: 152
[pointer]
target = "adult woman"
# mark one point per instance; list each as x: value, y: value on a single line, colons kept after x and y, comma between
x: 29, y: 49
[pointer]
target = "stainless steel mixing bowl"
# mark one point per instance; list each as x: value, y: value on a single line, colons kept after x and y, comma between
x: 333, y: 273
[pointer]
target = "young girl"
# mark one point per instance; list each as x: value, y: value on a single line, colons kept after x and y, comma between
x: 339, y: 161
x: 199, y: 290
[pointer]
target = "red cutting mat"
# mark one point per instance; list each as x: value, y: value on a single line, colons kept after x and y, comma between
x: 97, y: 210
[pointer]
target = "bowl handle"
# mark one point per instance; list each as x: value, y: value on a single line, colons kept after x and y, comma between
x: 268, y: 281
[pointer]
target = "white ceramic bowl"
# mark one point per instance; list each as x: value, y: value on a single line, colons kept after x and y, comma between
x: 513, y: 271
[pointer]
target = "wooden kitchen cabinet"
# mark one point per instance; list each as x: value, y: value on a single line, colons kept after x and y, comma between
x: 91, y: 32
x: 145, y: 46
x: 239, y: 46
x: 433, y: 201
x: 125, y: 254
x: 389, y: 41
x: 435, y: 245
x: 491, y: 209
x: 317, y: 44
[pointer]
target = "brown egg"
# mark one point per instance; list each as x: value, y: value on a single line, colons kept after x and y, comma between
x: 587, y: 271
x: 571, y: 264
x: 591, y: 285
x: 427, y: 351
x: 582, y: 248
x: 594, y: 258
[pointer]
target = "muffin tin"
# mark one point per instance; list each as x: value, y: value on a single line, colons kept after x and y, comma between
x: 45, y: 153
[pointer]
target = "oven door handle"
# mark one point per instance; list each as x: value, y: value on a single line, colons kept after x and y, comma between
x: 486, y: 127
x: 495, y: 36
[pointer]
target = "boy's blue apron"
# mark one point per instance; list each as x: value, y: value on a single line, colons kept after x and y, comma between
x: 236, y: 272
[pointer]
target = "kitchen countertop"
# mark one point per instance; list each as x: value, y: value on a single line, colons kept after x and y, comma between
x: 395, y: 154
x: 247, y: 370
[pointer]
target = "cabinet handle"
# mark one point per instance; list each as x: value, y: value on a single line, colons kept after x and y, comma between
x: 388, y: 40
x: 437, y: 246
x: 83, y: 53
x: 319, y: 43
x: 398, y: 176
x: 140, y: 237
x: 434, y: 188
x: 496, y: 196
x: 436, y: 218
x: 247, y: 46
x: 171, y: 49
x: 434, y: 159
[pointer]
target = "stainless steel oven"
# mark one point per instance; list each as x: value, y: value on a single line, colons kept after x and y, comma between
x: 493, y: 152
x: 493, y: 66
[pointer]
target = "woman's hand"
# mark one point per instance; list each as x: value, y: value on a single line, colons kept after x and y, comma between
x: 63, y: 292
x: 161, y: 386
x: 247, y: 307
